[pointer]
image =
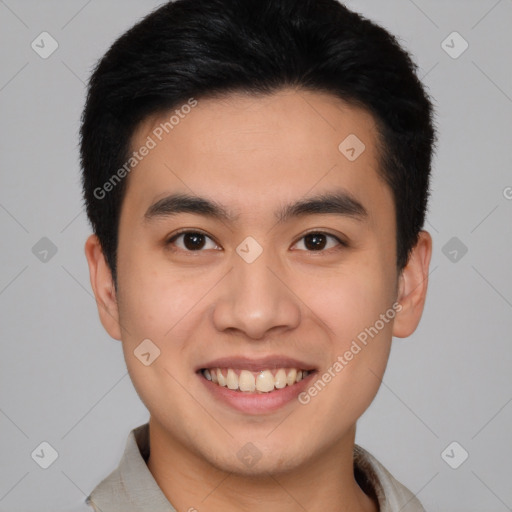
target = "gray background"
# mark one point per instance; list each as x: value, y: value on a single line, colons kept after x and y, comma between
x: 64, y: 381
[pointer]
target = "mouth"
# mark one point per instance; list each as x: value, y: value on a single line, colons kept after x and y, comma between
x: 255, y: 385
x: 247, y: 381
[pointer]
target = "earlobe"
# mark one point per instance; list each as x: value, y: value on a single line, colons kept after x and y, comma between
x: 412, y: 287
x: 103, y: 287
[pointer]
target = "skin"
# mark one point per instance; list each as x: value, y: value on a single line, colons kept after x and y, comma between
x: 252, y: 155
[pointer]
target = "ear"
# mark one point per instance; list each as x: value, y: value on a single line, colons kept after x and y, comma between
x: 412, y: 287
x: 103, y: 287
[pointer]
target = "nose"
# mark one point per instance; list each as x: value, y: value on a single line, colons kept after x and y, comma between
x: 255, y: 299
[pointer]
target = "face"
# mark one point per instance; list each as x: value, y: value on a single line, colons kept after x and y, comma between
x: 286, y: 260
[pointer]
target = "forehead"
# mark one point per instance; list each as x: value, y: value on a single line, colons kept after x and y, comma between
x: 249, y: 150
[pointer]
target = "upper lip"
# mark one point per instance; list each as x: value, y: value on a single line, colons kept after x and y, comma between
x: 256, y: 364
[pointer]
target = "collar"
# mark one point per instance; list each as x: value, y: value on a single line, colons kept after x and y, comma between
x: 131, y: 486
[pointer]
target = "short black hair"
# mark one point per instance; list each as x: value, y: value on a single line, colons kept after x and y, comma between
x: 205, y: 48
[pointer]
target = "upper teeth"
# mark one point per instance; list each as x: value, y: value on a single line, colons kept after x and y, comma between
x: 263, y: 381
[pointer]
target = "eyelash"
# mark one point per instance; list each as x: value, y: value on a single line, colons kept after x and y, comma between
x: 173, y: 238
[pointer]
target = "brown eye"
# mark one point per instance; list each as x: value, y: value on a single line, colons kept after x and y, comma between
x: 315, y: 241
x: 318, y: 241
x: 191, y: 241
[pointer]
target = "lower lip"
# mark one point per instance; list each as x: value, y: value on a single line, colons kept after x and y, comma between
x: 257, y: 403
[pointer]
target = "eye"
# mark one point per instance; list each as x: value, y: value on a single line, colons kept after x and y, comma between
x: 195, y: 241
x: 319, y: 241
x: 191, y: 241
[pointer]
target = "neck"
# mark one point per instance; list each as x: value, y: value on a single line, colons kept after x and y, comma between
x: 191, y: 483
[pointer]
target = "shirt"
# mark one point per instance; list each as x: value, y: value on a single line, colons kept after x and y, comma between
x: 132, y: 488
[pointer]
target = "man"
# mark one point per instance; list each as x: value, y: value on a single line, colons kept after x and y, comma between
x: 256, y: 173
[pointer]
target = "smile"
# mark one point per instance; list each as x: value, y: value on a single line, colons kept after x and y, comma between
x: 264, y: 381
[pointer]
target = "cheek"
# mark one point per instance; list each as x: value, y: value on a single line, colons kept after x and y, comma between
x: 152, y: 301
x: 356, y: 304
x: 159, y: 309
x: 165, y: 308
x: 349, y: 299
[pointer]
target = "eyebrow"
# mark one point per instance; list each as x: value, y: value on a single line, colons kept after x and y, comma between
x: 338, y: 202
